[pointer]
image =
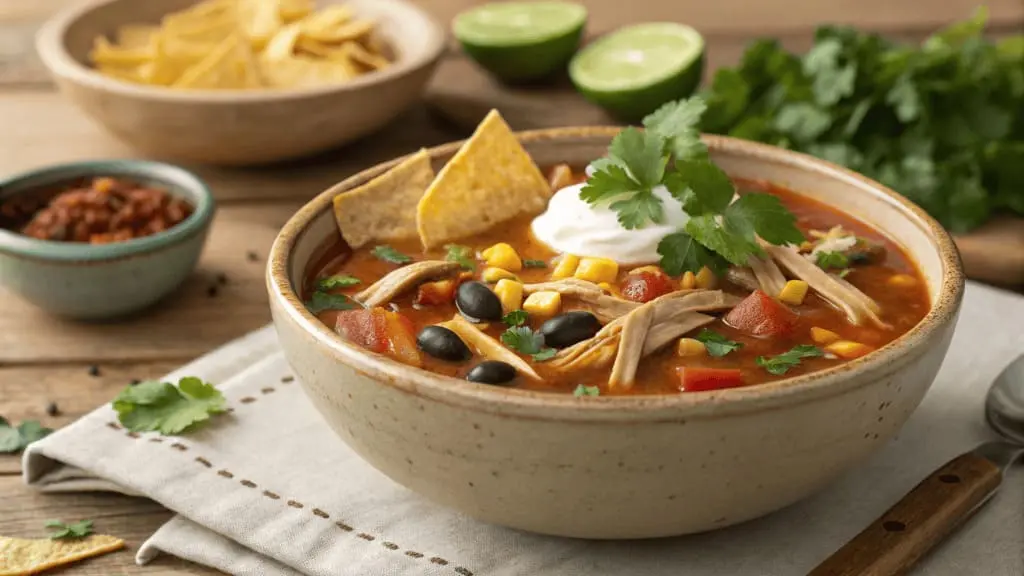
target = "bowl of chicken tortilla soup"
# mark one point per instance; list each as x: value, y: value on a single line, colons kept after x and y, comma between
x: 613, y: 333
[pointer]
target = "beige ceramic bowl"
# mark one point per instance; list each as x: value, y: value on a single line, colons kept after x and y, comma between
x: 238, y: 127
x: 622, y: 467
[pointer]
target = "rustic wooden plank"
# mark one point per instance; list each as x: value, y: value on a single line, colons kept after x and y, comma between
x: 187, y: 324
x: 23, y: 511
x: 27, y: 391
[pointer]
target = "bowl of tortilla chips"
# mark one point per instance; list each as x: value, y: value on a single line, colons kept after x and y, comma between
x: 241, y: 82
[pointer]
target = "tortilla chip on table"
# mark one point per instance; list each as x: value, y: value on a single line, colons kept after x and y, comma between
x: 22, y: 556
x: 490, y: 179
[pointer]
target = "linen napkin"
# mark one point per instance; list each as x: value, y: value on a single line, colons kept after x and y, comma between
x: 269, y: 490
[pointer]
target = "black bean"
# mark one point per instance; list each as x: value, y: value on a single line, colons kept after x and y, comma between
x: 442, y: 343
x: 492, y: 372
x: 476, y: 302
x: 52, y: 409
x: 567, y: 329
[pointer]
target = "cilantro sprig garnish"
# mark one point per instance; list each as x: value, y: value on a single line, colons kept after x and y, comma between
x: 516, y: 318
x: 337, y: 281
x: 828, y: 260
x: 166, y: 408
x: 464, y: 255
x: 389, y: 254
x: 69, y: 530
x: 17, y: 438
x: 525, y: 340
x: 779, y: 365
x: 582, y: 390
x: 716, y: 344
x: 670, y: 154
x: 321, y: 301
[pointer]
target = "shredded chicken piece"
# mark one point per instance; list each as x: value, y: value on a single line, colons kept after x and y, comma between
x: 488, y: 347
x: 635, y: 327
x: 743, y: 277
x: 769, y: 277
x: 857, y: 306
x: 672, y: 314
x: 403, y: 279
x: 589, y: 295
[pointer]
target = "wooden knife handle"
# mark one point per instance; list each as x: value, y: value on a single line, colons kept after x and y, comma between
x: 901, y: 536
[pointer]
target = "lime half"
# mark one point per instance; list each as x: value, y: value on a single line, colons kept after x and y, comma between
x: 633, y: 71
x: 521, y: 41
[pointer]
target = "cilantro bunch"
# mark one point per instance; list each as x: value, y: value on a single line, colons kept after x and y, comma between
x: 669, y: 153
x: 941, y: 123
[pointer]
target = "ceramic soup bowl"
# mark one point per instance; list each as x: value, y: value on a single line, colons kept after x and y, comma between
x: 622, y: 467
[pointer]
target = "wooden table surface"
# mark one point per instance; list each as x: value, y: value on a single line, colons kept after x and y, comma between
x: 44, y: 360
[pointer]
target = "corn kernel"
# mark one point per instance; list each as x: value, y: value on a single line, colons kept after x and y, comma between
x: 543, y: 303
x: 609, y: 288
x: 706, y: 279
x: 848, y: 350
x: 502, y: 255
x: 492, y: 275
x: 690, y: 347
x: 651, y: 269
x: 566, y: 266
x: 597, y: 270
x: 824, y: 337
x: 794, y: 292
x: 689, y: 281
x: 902, y: 281
x: 510, y: 293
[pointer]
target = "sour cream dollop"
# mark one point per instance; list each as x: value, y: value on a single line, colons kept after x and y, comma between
x: 570, y: 225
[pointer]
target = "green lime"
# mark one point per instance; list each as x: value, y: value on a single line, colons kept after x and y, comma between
x: 521, y: 41
x: 633, y: 71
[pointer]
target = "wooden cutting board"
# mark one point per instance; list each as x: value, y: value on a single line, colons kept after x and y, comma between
x: 462, y: 94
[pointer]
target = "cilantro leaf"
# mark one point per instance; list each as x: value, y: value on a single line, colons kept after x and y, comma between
x: 515, y: 318
x: 389, y: 254
x: 16, y: 438
x: 582, y: 390
x: 166, y: 408
x: 677, y: 122
x: 337, y: 281
x: 635, y: 211
x: 832, y: 81
x: 70, y: 530
x: 802, y: 121
x: 608, y: 181
x: 709, y: 232
x: 464, y: 255
x: 523, y: 339
x: 544, y: 355
x: 827, y: 260
x: 321, y: 301
x: 779, y: 365
x: 763, y: 215
x: 716, y: 344
x: 642, y: 153
x: 680, y: 253
x: 528, y: 263
x: 700, y: 186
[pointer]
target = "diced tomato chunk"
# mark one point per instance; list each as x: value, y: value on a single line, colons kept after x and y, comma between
x: 381, y: 331
x: 696, y: 379
x: 761, y: 315
x: 645, y: 285
x: 437, y: 293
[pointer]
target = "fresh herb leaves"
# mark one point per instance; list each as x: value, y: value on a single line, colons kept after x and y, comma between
x: 321, y: 301
x: 389, y: 254
x: 670, y: 154
x: 582, y: 390
x: 779, y: 365
x: 827, y: 260
x: 528, y: 263
x: 166, y: 408
x: 337, y: 281
x: 70, y: 530
x: 464, y: 255
x: 16, y: 438
x: 525, y: 340
x: 940, y: 123
x: 716, y: 344
x: 515, y: 318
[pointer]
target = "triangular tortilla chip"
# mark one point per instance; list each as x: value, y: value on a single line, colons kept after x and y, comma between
x: 20, y: 557
x: 384, y: 208
x: 230, y: 65
x: 489, y: 180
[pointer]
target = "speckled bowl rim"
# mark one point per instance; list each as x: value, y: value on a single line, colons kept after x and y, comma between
x: 50, y: 46
x: 549, y: 406
x: 195, y: 191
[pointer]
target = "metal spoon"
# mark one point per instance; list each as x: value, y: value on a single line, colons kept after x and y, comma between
x: 942, y: 501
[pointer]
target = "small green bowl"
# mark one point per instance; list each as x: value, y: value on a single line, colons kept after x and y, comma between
x: 102, y: 281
